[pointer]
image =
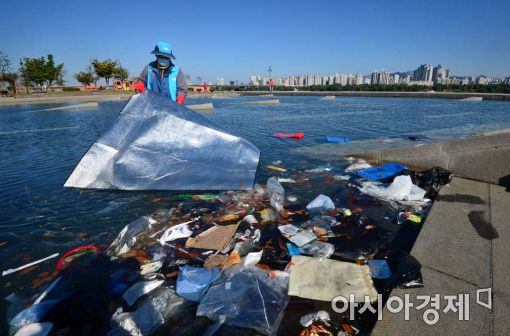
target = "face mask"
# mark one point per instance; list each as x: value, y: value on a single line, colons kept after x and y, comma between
x: 163, y: 62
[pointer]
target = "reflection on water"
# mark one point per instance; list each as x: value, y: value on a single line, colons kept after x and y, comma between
x: 40, y: 149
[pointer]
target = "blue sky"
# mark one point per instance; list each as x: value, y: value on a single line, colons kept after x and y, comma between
x: 234, y: 39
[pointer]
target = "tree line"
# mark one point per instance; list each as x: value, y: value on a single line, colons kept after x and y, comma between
x: 43, y: 72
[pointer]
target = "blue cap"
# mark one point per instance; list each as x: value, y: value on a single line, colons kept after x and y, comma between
x: 163, y: 49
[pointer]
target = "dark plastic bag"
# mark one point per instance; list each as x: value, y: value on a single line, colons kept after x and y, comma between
x: 405, y: 269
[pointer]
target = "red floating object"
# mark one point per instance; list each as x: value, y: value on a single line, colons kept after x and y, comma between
x: 299, y: 135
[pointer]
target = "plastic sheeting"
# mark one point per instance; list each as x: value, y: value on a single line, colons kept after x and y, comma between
x: 156, y: 144
x: 246, y: 297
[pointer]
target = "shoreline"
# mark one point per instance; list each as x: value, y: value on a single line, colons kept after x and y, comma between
x: 52, y: 98
x: 390, y: 94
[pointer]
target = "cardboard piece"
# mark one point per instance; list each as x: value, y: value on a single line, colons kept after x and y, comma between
x: 215, y: 238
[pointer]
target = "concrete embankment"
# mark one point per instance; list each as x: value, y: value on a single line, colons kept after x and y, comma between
x: 463, y: 248
x: 62, y: 98
x: 448, y: 95
x: 485, y: 157
x: 201, y: 107
x: 463, y: 245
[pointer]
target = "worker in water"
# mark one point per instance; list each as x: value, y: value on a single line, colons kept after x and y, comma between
x: 163, y: 76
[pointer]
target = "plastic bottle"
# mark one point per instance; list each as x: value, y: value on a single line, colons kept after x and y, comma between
x: 276, y: 193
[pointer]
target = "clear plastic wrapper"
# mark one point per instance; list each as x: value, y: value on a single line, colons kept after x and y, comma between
x: 321, y: 203
x: 308, y: 319
x: 245, y: 297
x: 156, y: 144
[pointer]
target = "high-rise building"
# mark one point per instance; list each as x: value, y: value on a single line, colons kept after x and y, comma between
x: 359, y: 79
x: 384, y: 77
x: 309, y: 80
x: 337, y: 79
x: 373, y: 77
x: 380, y: 77
x: 424, y: 73
x: 317, y: 79
x: 343, y: 79
x: 301, y: 80
x: 481, y: 80
x: 439, y: 73
x: 220, y: 81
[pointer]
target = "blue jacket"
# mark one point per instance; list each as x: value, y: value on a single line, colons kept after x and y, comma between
x: 160, y: 84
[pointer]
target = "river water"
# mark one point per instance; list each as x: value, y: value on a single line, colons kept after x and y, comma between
x: 39, y: 150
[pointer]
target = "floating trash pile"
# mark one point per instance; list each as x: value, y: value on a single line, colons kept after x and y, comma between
x: 264, y: 261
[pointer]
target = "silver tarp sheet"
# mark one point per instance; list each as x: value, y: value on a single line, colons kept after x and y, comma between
x: 156, y: 144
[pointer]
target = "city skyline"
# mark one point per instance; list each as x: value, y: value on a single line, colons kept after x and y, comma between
x: 424, y: 74
x: 233, y: 40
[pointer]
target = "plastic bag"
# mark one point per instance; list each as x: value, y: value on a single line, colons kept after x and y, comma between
x: 315, y: 249
x: 156, y: 144
x: 406, y: 271
x: 127, y: 237
x: 193, y: 282
x: 150, y: 315
x: 321, y: 203
x: 276, y: 193
x: 139, y: 289
x: 175, y: 232
x: 245, y: 297
x: 402, y: 189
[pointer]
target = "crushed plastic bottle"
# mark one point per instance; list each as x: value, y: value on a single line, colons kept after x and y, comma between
x: 276, y: 193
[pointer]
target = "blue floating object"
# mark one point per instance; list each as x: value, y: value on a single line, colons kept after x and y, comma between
x: 293, y: 249
x: 336, y: 140
x: 379, y: 269
x: 382, y: 171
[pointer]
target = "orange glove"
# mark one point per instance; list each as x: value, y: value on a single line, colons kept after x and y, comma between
x: 140, y: 87
x: 180, y: 100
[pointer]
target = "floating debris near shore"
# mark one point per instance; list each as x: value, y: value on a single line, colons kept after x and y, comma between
x: 218, y: 260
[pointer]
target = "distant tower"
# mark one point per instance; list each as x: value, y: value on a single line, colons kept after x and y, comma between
x: 270, y: 72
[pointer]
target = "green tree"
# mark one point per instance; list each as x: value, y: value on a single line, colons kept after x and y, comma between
x: 120, y: 73
x: 5, y: 74
x: 34, y: 70
x: 40, y: 71
x: 54, y: 73
x: 84, y: 77
x: 105, y: 69
x: 5, y: 63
